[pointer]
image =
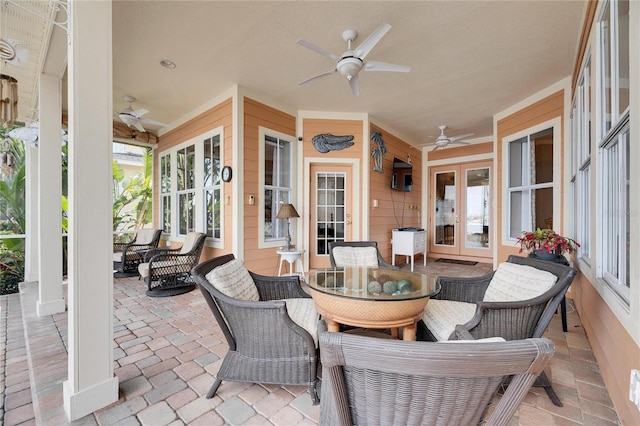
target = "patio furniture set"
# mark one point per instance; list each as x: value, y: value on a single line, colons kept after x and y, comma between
x: 276, y: 335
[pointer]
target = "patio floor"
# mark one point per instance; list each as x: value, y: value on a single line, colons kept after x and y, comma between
x: 167, y: 350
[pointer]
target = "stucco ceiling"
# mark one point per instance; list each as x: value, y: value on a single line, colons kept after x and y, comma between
x: 469, y: 60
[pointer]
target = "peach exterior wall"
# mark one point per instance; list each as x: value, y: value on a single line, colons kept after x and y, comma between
x: 539, y: 112
x: 220, y: 115
x: 395, y: 208
x: 256, y: 115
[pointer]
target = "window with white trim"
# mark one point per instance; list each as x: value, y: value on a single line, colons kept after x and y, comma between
x: 212, y: 187
x: 276, y: 179
x: 191, y: 187
x: 165, y: 193
x: 530, y: 182
x: 581, y: 162
x: 613, y: 116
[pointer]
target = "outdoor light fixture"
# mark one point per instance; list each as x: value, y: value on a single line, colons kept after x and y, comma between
x: 287, y: 211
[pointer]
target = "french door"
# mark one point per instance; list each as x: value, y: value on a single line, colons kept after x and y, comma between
x: 330, y: 211
x: 459, y: 202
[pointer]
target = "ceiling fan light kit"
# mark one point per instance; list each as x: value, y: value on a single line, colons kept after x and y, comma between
x: 351, y: 61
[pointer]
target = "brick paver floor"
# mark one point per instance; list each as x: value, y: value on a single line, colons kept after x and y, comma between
x: 167, y: 351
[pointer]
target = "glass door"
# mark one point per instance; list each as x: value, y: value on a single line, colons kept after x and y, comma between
x: 460, y: 203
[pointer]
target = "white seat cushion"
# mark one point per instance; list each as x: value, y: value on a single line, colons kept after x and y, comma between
x: 145, y: 236
x: 117, y: 256
x: 355, y: 256
x: 232, y: 279
x: 442, y: 316
x: 513, y: 282
x: 143, y: 268
x: 303, y: 312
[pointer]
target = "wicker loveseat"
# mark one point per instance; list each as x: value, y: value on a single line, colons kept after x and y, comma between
x: 270, y: 324
x: 371, y: 381
x: 517, y: 301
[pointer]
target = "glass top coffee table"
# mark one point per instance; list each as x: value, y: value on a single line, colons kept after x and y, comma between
x: 372, y: 297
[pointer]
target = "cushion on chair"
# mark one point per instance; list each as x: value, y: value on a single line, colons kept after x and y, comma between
x: 303, y: 312
x: 232, y: 279
x: 442, y: 316
x: 512, y: 282
x: 143, y: 268
x: 189, y: 241
x: 117, y: 256
x: 355, y: 256
x: 145, y: 236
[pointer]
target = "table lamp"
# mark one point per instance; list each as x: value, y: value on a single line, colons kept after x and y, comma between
x: 287, y: 211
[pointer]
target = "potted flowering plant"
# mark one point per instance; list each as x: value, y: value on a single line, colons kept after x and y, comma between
x: 546, y: 243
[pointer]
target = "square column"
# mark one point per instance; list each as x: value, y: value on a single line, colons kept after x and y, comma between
x: 91, y: 384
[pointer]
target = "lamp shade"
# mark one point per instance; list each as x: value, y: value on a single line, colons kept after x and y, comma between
x: 287, y: 211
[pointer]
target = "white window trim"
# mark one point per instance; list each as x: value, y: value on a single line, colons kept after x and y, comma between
x: 556, y: 125
x: 262, y: 133
x: 199, y: 187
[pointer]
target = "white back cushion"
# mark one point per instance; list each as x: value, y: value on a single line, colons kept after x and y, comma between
x: 145, y: 236
x: 513, y: 282
x: 355, y: 256
x: 232, y: 279
x: 189, y: 241
x: 303, y: 312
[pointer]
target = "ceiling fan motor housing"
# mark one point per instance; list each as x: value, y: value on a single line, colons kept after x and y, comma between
x: 349, y: 66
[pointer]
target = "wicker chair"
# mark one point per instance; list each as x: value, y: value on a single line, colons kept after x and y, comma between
x: 167, y: 272
x: 272, y: 336
x: 356, y: 253
x: 371, y: 381
x: 127, y: 256
x: 465, y: 304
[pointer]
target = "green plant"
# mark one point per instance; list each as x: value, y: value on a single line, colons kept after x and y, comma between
x: 11, y: 269
x: 546, y: 239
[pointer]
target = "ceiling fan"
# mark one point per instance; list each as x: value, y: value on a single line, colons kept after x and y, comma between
x: 133, y: 118
x: 352, y: 61
x: 444, y: 140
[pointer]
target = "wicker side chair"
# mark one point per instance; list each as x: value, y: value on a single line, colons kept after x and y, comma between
x: 167, y: 272
x: 463, y: 303
x: 356, y: 253
x: 266, y: 342
x: 371, y: 381
x: 127, y: 256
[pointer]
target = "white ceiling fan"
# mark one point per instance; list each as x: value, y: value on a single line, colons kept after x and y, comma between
x: 444, y: 140
x: 352, y: 61
x: 133, y: 118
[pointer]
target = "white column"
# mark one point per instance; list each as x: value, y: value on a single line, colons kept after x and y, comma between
x: 91, y: 383
x: 31, y: 249
x: 50, y: 299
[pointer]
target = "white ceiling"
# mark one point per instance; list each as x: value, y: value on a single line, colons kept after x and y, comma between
x: 469, y: 60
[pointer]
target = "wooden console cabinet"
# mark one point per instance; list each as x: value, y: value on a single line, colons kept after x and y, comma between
x: 408, y: 243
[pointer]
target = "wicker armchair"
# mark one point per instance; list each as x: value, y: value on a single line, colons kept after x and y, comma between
x: 266, y: 342
x: 127, y: 256
x: 371, y: 381
x: 466, y: 307
x: 356, y: 253
x: 167, y: 272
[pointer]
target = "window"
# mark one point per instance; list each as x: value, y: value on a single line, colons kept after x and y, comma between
x: 186, y: 159
x: 191, y: 187
x: 581, y: 162
x: 212, y: 187
x: 530, y: 182
x: 165, y: 193
x: 614, y: 134
x: 276, y: 171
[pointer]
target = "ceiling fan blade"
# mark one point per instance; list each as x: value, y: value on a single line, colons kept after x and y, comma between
x: 370, y: 42
x: 383, y: 66
x: 153, y: 122
x: 459, y: 143
x: 317, y: 49
x: 455, y: 138
x: 436, y: 147
x: 324, y: 74
x: 138, y: 126
x: 139, y: 112
x: 355, y: 86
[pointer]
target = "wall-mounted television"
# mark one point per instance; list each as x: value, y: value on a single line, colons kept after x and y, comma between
x: 401, y: 176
